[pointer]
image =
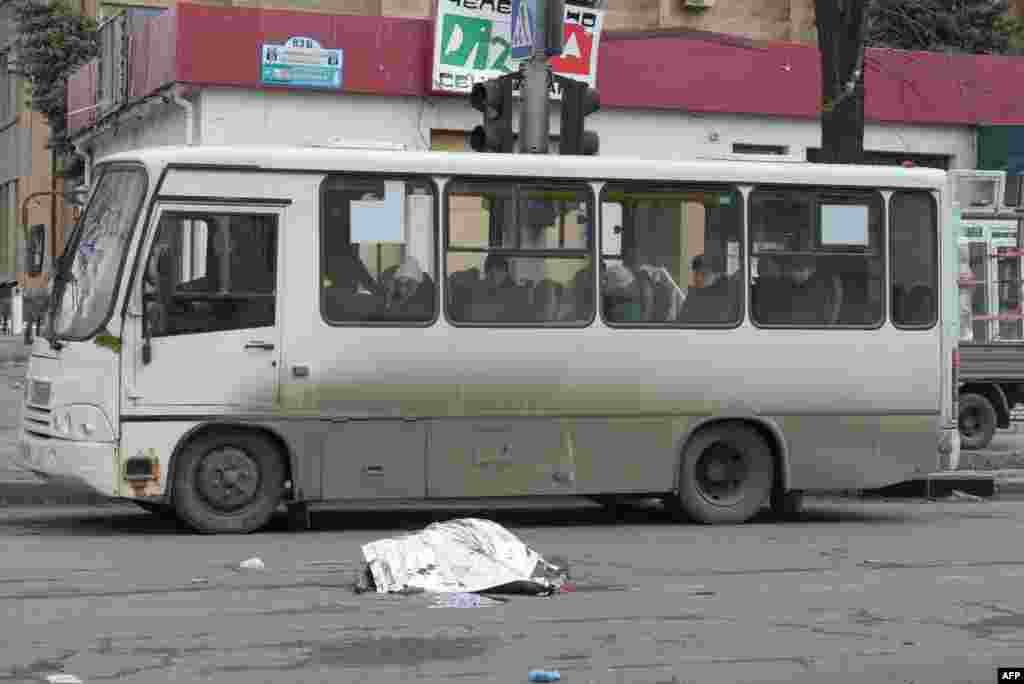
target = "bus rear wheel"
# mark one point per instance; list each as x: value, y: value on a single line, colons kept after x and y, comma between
x: 977, y: 421
x: 726, y: 475
x: 228, y: 481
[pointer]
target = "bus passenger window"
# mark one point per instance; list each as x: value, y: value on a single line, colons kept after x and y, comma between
x: 377, y: 250
x: 675, y: 252
x: 914, y: 243
x: 211, y: 272
x: 819, y: 257
x: 519, y: 253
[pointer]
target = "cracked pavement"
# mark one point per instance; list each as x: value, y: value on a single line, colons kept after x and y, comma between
x: 854, y: 591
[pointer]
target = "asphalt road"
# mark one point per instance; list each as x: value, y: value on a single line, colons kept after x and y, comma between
x: 854, y: 592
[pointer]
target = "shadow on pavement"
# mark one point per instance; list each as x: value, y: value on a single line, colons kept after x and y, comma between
x: 128, y: 520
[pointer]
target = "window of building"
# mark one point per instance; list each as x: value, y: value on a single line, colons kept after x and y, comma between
x: 8, y: 225
x: 750, y: 148
x: 108, y: 10
x: 377, y: 250
x: 817, y: 257
x: 913, y: 231
x: 8, y: 90
x: 211, y: 272
x: 671, y: 256
x: 519, y: 253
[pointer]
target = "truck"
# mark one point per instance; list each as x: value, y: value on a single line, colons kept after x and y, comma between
x: 991, y: 345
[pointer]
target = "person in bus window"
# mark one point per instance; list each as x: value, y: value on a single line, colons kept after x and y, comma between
x: 500, y: 299
x: 408, y: 293
x: 715, y: 299
x: 623, y: 301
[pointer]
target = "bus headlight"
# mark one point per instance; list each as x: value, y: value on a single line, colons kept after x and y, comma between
x: 62, y: 422
x: 82, y: 421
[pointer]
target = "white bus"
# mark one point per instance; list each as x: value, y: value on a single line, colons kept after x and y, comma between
x: 235, y: 329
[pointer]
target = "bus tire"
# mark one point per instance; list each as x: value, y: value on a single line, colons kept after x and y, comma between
x: 977, y: 421
x: 726, y: 475
x: 228, y: 482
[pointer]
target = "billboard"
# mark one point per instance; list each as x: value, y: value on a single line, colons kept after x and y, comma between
x: 473, y: 43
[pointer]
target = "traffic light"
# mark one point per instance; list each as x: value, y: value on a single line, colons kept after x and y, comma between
x: 494, y: 99
x: 578, y: 101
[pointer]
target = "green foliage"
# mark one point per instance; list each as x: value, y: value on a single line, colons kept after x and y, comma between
x: 53, y: 42
x: 969, y: 26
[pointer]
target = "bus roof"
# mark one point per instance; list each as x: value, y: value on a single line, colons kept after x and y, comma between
x: 326, y: 159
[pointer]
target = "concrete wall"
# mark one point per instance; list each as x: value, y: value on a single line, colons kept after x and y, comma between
x: 230, y: 116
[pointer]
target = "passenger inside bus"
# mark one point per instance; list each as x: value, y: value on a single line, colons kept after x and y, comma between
x: 409, y: 292
x: 498, y: 298
x: 715, y: 299
x: 623, y: 299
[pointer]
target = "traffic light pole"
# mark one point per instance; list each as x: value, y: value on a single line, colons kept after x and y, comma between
x: 534, y: 122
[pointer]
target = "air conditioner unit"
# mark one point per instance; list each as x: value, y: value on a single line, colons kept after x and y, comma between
x: 698, y: 4
x: 978, y: 191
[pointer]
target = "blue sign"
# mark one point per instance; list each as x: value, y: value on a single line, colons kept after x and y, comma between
x: 301, y: 62
x: 524, y: 27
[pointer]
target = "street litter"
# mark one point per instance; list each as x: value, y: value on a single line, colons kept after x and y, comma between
x: 465, y: 555
x: 252, y: 564
x: 544, y: 676
x: 199, y: 580
x: 466, y: 600
x: 63, y: 679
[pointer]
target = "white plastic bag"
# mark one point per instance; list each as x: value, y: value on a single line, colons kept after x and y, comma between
x: 462, y: 555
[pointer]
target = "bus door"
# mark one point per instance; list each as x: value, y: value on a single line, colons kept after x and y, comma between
x: 206, y: 323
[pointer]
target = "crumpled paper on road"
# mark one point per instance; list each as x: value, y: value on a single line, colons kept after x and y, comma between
x: 461, y: 555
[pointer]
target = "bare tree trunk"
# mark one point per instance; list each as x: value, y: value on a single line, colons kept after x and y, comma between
x: 841, y: 29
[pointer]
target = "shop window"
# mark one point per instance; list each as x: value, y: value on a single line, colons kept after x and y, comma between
x: 519, y: 253
x: 671, y: 256
x: 377, y: 250
x: 817, y: 258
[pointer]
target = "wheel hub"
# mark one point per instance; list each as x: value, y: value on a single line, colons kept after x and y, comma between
x: 722, y: 471
x: 228, y: 478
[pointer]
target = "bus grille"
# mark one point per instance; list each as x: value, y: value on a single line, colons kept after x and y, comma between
x: 38, y: 421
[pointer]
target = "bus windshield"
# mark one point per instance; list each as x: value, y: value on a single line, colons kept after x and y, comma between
x: 86, y: 283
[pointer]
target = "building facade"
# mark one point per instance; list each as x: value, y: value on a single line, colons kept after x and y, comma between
x: 183, y: 77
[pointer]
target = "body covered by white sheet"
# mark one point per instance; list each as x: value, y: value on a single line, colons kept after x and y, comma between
x: 462, y: 555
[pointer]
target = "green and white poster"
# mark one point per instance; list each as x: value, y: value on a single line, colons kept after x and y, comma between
x: 473, y: 43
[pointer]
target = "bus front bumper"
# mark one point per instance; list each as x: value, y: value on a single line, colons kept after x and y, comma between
x: 83, y: 466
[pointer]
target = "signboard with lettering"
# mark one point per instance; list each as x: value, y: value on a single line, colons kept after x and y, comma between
x: 300, y: 62
x: 524, y: 25
x: 473, y: 42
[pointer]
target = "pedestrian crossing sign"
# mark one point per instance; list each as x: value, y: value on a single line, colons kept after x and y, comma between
x: 524, y: 24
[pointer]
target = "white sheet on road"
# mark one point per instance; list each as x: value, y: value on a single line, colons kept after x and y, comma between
x: 461, y: 555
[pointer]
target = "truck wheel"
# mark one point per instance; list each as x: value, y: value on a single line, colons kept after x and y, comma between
x: 228, y: 481
x: 977, y: 421
x: 725, y: 475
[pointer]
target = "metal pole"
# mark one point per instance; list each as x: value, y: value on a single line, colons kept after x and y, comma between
x: 534, y: 123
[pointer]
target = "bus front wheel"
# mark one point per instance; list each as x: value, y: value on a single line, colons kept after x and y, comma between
x: 228, y: 481
x: 977, y: 421
x: 726, y: 474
